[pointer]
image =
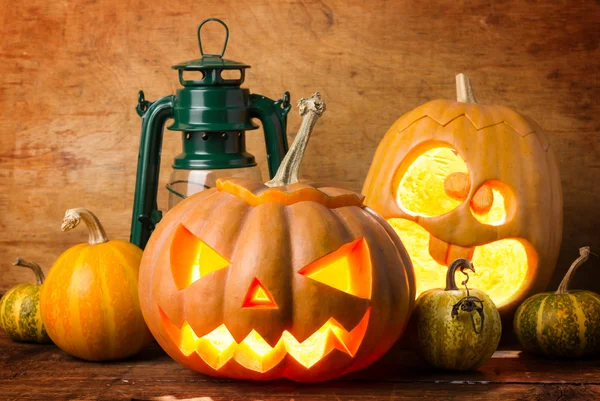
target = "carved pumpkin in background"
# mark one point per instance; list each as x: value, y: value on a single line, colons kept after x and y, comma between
x: 285, y: 279
x: 457, y: 179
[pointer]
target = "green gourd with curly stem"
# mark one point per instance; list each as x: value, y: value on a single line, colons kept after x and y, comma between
x: 458, y: 329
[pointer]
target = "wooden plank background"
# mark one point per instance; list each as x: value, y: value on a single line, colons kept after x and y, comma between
x: 70, y: 71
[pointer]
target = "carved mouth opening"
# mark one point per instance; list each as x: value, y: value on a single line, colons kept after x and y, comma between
x: 218, y: 347
x: 501, y: 265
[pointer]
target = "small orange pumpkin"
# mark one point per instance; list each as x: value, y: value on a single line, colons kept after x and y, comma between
x: 285, y: 279
x: 89, y: 302
x: 457, y: 179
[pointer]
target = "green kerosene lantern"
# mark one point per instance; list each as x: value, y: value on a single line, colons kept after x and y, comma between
x: 213, y: 113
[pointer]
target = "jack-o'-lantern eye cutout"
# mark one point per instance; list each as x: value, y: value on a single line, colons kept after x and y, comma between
x: 192, y: 259
x: 493, y: 203
x: 431, y: 181
x: 347, y: 269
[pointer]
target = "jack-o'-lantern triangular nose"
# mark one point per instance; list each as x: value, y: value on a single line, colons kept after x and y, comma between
x: 258, y: 296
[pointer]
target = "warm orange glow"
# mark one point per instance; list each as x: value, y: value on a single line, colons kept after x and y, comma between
x: 421, y: 190
x: 258, y: 296
x: 192, y: 259
x: 501, y: 265
x: 501, y: 268
x: 435, y: 183
x: 497, y: 214
x: 347, y: 269
x: 500, y: 210
x: 254, y: 353
x: 188, y: 339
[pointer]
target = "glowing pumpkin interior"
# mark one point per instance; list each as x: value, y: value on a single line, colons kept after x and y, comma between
x: 436, y: 181
x: 258, y: 297
x: 347, y: 269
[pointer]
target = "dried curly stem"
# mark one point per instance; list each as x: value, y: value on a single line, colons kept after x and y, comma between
x: 461, y: 264
x: 39, y: 274
x: 464, y: 90
x: 584, y: 254
x: 95, y: 229
x: 311, y: 109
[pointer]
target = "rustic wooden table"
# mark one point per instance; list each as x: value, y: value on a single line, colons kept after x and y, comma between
x: 43, y: 372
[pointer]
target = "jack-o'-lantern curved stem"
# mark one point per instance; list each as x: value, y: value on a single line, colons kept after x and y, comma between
x: 457, y: 264
x: 464, y: 90
x: 96, y: 231
x: 37, y: 270
x: 584, y: 254
x: 311, y: 109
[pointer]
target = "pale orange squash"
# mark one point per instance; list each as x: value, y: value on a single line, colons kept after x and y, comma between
x: 89, y: 302
x: 285, y: 279
x: 457, y: 179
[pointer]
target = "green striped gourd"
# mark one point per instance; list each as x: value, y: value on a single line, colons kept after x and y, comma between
x: 20, y: 309
x: 455, y: 332
x: 563, y: 324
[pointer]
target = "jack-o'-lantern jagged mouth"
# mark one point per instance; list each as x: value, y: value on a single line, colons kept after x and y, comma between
x: 501, y: 266
x: 218, y: 347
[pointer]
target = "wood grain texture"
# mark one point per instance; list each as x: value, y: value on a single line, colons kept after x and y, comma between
x: 35, y: 372
x: 70, y: 72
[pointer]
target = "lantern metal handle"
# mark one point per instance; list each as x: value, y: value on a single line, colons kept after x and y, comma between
x: 224, y: 44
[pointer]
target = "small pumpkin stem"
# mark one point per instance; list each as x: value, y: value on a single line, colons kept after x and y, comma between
x: 464, y: 90
x: 584, y: 254
x: 311, y: 109
x: 37, y: 270
x: 457, y: 264
x: 96, y: 231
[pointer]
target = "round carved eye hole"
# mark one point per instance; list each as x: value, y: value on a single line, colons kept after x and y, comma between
x: 493, y: 203
x: 433, y: 182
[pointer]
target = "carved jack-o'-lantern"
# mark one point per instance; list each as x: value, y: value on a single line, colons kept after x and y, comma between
x: 284, y: 279
x: 461, y: 180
